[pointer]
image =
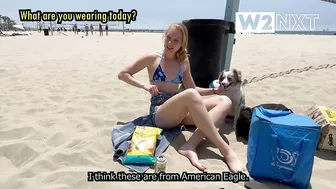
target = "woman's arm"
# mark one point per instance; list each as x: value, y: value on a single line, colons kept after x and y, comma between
x: 127, y: 73
x: 188, y: 82
x: 207, y: 91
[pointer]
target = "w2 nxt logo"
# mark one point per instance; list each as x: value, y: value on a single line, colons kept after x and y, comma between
x: 269, y: 22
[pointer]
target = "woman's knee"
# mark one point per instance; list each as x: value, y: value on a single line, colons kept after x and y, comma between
x: 224, y: 100
x: 192, y: 94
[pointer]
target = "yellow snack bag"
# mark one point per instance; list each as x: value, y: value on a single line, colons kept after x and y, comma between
x: 143, y: 145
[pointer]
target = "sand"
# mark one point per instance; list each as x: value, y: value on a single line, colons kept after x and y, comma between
x: 60, y: 97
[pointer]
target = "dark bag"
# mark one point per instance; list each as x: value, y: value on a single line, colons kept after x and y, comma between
x: 244, y: 120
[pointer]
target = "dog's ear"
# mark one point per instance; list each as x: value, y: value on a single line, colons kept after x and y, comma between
x: 237, y: 75
x: 221, y: 76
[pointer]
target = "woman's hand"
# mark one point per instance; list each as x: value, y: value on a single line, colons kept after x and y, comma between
x: 152, y: 89
x: 219, y: 90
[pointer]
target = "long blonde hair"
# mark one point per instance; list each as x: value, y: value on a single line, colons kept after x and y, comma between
x: 181, y: 54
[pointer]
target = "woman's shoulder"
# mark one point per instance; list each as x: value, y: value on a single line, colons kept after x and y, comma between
x: 157, y: 53
x: 148, y: 58
x: 153, y: 55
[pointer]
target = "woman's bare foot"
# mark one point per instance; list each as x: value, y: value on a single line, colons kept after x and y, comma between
x: 190, y: 152
x: 234, y: 164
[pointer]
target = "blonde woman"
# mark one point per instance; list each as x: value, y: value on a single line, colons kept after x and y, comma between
x: 169, y: 107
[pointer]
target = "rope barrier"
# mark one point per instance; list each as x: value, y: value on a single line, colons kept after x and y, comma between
x: 291, y: 71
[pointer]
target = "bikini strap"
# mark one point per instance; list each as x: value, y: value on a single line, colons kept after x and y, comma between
x: 161, y: 59
x: 181, y: 69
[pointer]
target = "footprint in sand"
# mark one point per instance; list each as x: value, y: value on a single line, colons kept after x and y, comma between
x: 292, y: 88
x: 67, y: 110
x: 92, y: 153
x: 19, y: 153
x: 95, y: 96
x: 17, y: 121
x: 70, y: 177
x: 119, y: 90
x: 138, y: 103
x: 75, y: 143
x: 301, y: 101
x: 105, y: 132
x: 47, y: 123
x: 37, y: 136
x: 82, y: 130
x: 75, y: 158
x: 121, y: 103
x: 13, y: 183
x: 142, y: 101
x: 83, y: 110
x: 107, y: 90
x: 255, y: 96
x: 56, y: 98
x: 110, y: 123
x: 81, y: 127
x: 266, y: 87
x: 99, y: 145
x: 57, y: 139
x: 37, y: 168
x: 95, y: 122
x: 16, y: 133
x: 124, y: 115
x: 19, y: 88
x: 34, y: 110
x: 6, y: 164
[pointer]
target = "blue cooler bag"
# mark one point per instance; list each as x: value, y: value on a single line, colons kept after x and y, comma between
x: 281, y: 147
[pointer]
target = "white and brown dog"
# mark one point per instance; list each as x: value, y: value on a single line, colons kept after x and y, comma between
x: 232, y: 83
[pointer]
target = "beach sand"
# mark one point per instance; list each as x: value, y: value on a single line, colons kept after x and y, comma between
x: 60, y: 98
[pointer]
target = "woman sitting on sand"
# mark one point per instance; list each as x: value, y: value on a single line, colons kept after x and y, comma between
x: 169, y: 107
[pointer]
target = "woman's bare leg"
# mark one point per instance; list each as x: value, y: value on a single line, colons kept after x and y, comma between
x: 215, y: 106
x: 218, y: 107
x: 174, y: 110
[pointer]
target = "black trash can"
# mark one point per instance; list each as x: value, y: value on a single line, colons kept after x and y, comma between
x: 46, y: 32
x: 205, y: 46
